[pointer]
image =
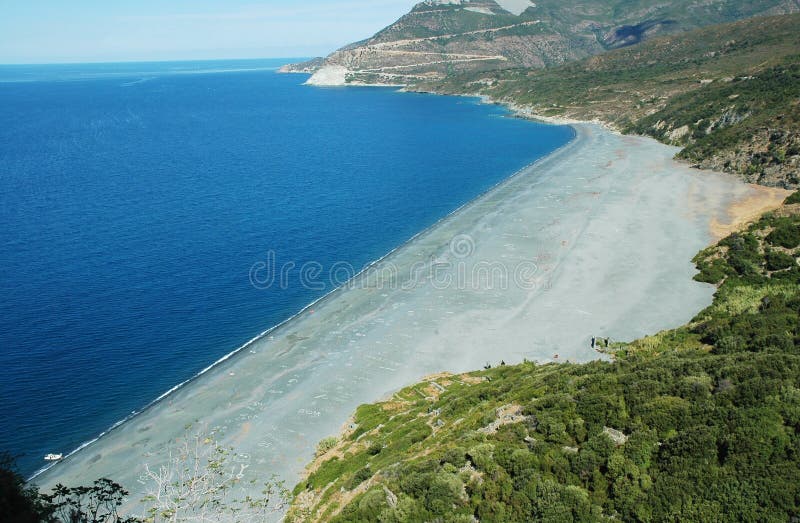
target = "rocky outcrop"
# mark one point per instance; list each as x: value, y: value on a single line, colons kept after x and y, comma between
x: 440, y: 38
x: 311, y: 66
x: 769, y: 157
x: 328, y: 76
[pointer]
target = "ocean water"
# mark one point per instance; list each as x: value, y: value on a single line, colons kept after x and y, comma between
x: 136, y: 199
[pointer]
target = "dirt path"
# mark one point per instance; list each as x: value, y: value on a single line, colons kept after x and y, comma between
x: 398, y: 43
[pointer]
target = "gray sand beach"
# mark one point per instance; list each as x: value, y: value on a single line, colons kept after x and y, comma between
x: 594, y: 240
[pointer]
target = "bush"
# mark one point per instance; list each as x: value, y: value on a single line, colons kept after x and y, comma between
x: 794, y: 198
x: 776, y: 260
x: 455, y: 456
x: 326, y: 444
x: 443, y: 492
x: 358, y: 478
x: 713, y: 272
x: 786, y: 234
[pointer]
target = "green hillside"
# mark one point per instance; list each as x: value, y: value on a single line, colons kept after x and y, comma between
x: 729, y: 94
x: 716, y: 77
x: 701, y: 423
x: 748, y: 125
x: 603, y: 24
x: 440, y: 38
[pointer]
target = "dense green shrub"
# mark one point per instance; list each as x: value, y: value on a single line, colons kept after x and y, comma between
x: 786, y: 234
x: 358, y: 478
x: 711, y: 272
x: 776, y: 260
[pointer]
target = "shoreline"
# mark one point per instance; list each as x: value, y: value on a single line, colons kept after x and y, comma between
x: 271, y: 331
x: 239, y: 351
x: 739, y: 213
x: 516, y: 110
x: 297, y: 382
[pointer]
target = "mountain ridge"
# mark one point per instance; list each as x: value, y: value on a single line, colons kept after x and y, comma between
x: 438, y: 38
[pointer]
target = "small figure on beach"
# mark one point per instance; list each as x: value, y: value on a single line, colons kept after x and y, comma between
x: 594, y: 341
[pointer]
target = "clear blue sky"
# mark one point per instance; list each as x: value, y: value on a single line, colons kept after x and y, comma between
x: 47, y: 31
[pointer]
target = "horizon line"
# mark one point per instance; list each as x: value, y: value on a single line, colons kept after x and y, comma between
x: 157, y: 61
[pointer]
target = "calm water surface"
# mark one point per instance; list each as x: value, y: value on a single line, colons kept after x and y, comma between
x: 135, y: 198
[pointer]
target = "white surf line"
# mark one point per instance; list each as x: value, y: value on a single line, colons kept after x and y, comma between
x: 209, y: 368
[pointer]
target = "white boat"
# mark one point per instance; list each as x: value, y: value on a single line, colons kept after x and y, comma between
x: 53, y: 457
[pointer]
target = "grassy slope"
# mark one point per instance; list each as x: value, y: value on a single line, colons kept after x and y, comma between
x: 747, y: 126
x: 710, y: 413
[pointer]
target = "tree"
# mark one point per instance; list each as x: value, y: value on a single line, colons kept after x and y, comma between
x: 200, y: 482
x: 22, y: 503
x: 19, y: 502
x: 96, y: 504
x: 203, y: 481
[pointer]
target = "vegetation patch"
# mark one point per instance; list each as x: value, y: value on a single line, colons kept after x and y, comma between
x: 700, y: 423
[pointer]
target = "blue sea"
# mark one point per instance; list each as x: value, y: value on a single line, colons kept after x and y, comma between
x: 135, y: 200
